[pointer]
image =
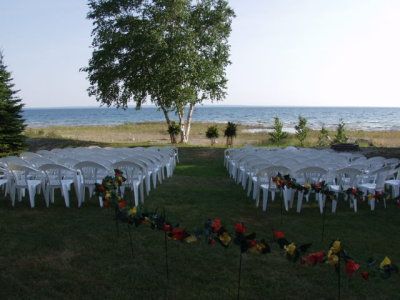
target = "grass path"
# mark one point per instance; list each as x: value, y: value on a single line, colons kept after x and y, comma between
x: 75, y: 253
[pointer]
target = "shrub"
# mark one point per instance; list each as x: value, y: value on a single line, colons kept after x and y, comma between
x: 341, y: 136
x: 323, y: 137
x: 302, y: 130
x: 212, y: 134
x: 230, y: 133
x: 173, y: 130
x: 278, y: 134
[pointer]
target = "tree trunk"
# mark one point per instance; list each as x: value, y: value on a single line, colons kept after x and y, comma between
x: 188, y: 123
x: 168, y: 120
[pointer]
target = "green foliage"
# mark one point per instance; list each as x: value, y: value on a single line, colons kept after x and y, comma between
x: 302, y: 130
x: 212, y: 134
x: 341, y: 136
x: 278, y: 134
x: 230, y: 133
x: 173, y: 53
x: 323, y: 137
x: 173, y: 130
x: 12, y: 125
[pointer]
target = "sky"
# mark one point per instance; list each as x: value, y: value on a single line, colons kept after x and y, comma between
x: 283, y: 52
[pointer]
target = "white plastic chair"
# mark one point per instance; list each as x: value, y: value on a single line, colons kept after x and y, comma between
x: 57, y: 177
x: 266, y: 184
x: 345, y: 178
x: 311, y: 175
x: 90, y: 174
x: 134, y: 178
x: 23, y: 178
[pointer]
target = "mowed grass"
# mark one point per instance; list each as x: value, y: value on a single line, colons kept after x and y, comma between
x: 60, y: 253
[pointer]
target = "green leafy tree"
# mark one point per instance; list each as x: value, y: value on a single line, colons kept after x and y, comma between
x: 212, y: 134
x: 302, y: 130
x: 278, y: 134
x: 170, y: 52
x: 341, y: 136
x: 12, y: 124
x: 323, y: 137
x: 230, y: 133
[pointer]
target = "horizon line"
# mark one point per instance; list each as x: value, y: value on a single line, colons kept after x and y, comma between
x: 208, y: 105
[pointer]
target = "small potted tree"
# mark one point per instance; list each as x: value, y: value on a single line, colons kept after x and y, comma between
x: 173, y: 130
x: 230, y: 133
x: 212, y: 134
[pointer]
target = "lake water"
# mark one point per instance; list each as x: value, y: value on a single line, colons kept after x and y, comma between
x: 355, y: 118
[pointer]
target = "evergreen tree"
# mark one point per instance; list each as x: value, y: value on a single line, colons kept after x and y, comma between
x: 12, y: 125
x: 341, y: 136
x: 278, y: 134
x: 302, y: 130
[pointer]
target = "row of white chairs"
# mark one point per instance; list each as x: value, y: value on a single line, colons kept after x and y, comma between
x: 83, y: 168
x: 254, y: 168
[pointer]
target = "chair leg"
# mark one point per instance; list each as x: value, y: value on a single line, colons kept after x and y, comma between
x: 334, y: 205
x: 32, y: 193
x: 354, y: 200
x: 320, y: 202
x: 136, y: 194
x: 65, y: 190
x: 300, y: 196
x: 265, y: 199
x: 372, y: 204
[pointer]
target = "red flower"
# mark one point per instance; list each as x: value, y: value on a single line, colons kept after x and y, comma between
x: 365, y: 275
x: 351, y: 267
x: 279, y: 235
x: 252, y: 243
x: 178, y: 234
x: 167, y: 227
x: 313, y: 258
x: 240, y: 228
x: 100, y: 188
x: 216, y: 225
x: 122, y: 204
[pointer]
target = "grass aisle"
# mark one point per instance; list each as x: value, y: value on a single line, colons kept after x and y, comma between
x: 75, y: 253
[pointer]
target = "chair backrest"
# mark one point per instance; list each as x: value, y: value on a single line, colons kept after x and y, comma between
x: 272, y: 171
x: 130, y: 169
x: 347, y: 177
x: 22, y: 174
x: 312, y: 174
x: 91, y: 170
x: 55, y: 173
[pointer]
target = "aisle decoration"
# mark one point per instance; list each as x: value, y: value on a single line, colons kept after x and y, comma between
x: 215, y: 232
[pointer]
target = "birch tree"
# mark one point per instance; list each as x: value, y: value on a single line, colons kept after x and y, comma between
x: 172, y: 53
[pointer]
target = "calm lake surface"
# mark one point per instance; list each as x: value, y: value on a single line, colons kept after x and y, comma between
x: 365, y: 118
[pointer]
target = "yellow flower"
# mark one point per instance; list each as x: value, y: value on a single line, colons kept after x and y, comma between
x: 225, y: 238
x: 336, y: 247
x: 191, y: 239
x: 133, y: 211
x: 290, y: 249
x: 333, y: 259
x: 385, y: 262
x: 370, y: 196
x: 307, y: 185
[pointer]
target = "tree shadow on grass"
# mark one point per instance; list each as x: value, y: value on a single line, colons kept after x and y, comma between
x: 46, y: 143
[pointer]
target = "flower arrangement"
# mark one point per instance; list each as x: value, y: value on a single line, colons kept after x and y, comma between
x: 356, y: 193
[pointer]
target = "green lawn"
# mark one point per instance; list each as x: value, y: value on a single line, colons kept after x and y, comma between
x: 60, y: 253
